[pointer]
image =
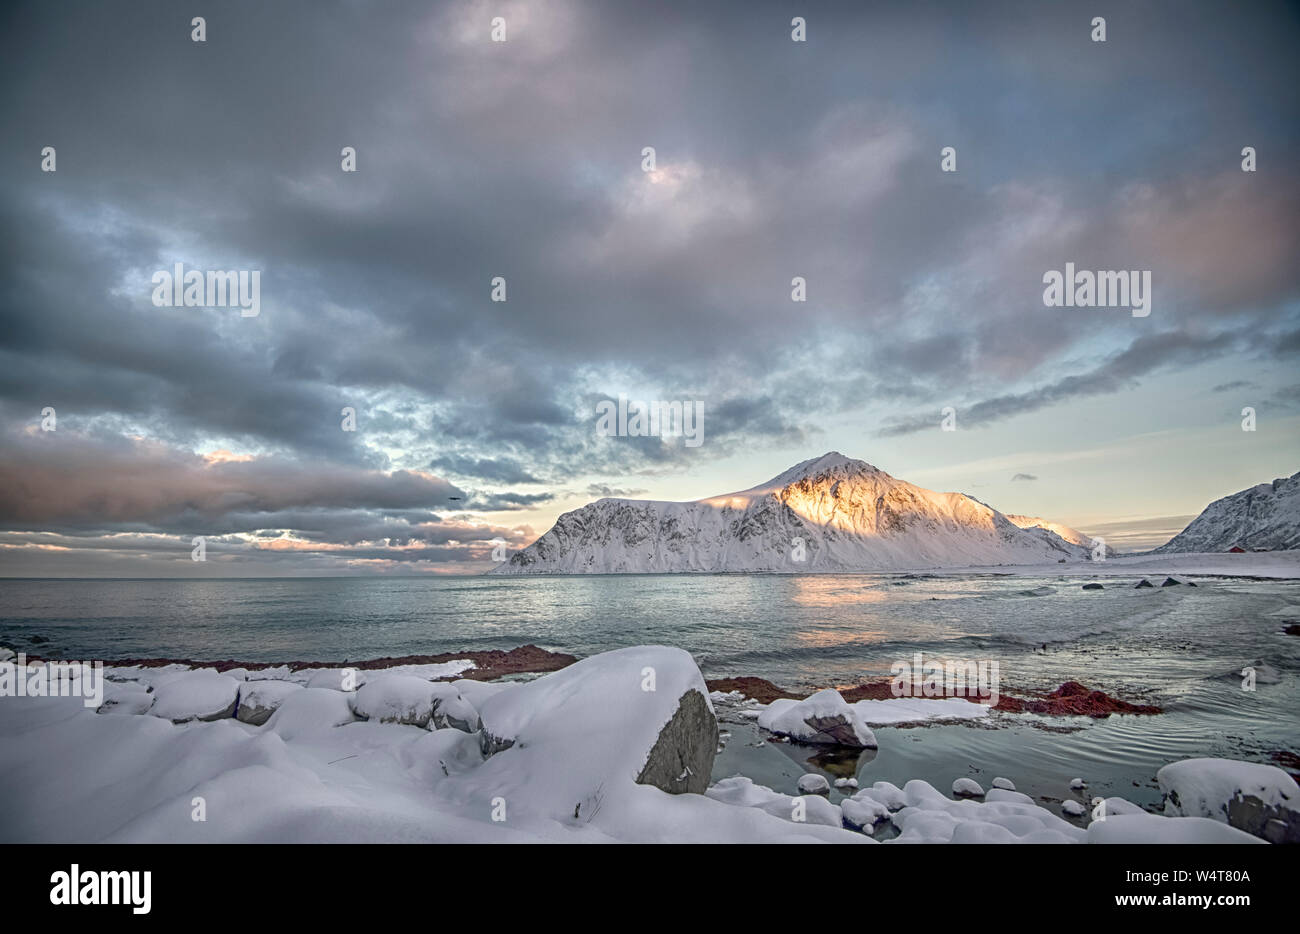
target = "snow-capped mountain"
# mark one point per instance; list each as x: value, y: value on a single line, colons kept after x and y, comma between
x: 1266, y: 516
x: 831, y: 513
x: 1073, y: 536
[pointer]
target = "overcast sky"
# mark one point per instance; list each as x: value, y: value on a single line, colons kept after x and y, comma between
x: 523, y: 159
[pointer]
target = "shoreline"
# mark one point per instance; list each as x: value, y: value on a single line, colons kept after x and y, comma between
x: 1072, y: 698
x: 490, y: 664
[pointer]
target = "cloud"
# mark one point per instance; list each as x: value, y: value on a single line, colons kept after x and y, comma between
x: 1023, y: 476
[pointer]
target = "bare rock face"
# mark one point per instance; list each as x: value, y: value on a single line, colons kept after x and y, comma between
x: 1275, y: 823
x: 682, y: 757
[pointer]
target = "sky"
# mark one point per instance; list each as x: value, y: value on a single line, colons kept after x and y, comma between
x: 524, y: 161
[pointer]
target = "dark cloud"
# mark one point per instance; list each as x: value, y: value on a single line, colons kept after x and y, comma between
x: 1023, y: 476
x: 503, y: 469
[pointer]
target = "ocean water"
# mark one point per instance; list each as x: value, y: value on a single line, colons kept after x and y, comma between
x: 1179, y: 647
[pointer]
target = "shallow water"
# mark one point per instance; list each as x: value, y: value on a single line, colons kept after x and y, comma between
x: 1179, y: 647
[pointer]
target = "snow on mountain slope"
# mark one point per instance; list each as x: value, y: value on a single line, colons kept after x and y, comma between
x: 830, y: 513
x: 1266, y: 516
x: 1073, y: 536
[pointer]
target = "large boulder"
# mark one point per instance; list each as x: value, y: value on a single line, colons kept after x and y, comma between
x: 311, y: 710
x: 1260, y: 799
x: 452, y: 710
x: 404, y: 699
x: 259, y: 699
x: 638, y: 716
x: 196, y: 695
x: 824, y: 718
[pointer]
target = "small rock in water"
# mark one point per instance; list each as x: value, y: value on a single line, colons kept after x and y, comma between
x: 846, y: 783
x: 1004, y: 783
x: 1072, y: 809
x: 1143, y: 583
x: 813, y: 784
x: 1077, y: 783
x: 967, y: 788
x: 1093, y: 587
x: 1170, y: 582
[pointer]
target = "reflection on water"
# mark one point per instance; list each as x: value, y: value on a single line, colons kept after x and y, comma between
x: 834, y: 593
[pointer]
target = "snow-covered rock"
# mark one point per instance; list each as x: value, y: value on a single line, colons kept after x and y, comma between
x: 334, y: 679
x: 929, y: 817
x: 451, y: 710
x: 1266, y: 516
x: 1073, y: 809
x: 1113, y: 807
x: 810, y: 783
x: 825, y: 717
x: 1152, y: 828
x: 967, y: 788
x: 389, y: 698
x: 1006, y: 794
x: 743, y: 792
x: 634, y: 715
x: 1259, y: 799
x: 1006, y: 783
x: 310, y: 710
x: 845, y: 514
x: 863, y: 812
x: 887, y: 793
x: 259, y: 699
x: 195, y: 695
x: 126, y: 697
x: 1077, y: 783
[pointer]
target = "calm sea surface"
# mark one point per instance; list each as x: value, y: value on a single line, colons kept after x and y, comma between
x: 1179, y: 647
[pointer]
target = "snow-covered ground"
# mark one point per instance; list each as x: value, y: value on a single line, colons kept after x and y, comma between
x: 582, y: 754
x: 1277, y: 565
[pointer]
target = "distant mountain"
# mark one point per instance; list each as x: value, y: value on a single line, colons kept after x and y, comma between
x: 1266, y: 516
x: 1073, y: 536
x: 833, y: 512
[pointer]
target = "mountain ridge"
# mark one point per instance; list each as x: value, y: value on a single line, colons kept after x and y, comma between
x: 1265, y: 516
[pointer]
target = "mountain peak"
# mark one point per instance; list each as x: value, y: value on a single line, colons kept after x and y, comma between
x: 830, y: 462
